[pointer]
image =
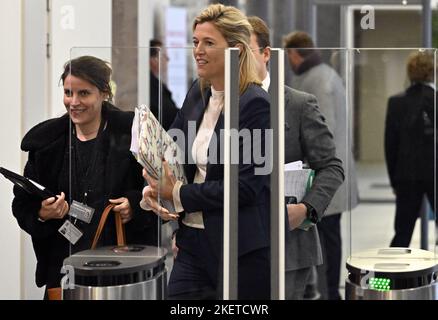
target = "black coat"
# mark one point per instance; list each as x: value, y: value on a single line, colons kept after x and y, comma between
x: 47, y: 144
x: 409, y: 136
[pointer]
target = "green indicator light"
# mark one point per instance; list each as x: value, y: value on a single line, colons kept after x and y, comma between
x: 379, y: 284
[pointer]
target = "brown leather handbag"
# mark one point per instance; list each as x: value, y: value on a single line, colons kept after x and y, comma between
x: 120, y: 228
x: 56, y: 293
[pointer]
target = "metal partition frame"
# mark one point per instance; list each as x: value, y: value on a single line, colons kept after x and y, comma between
x: 277, y: 176
x: 231, y: 176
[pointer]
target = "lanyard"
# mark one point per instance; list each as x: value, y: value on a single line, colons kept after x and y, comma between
x: 87, y: 183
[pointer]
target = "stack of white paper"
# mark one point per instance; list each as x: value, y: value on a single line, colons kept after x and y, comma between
x: 297, y: 181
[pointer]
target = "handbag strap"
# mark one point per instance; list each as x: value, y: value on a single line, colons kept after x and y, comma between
x: 120, y: 228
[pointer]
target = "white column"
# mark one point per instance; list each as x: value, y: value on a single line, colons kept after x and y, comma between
x: 35, y: 110
x: 10, y: 137
x: 145, y: 33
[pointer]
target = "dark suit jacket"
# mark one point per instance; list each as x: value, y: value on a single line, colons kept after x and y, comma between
x: 308, y: 138
x: 169, y: 109
x: 409, y: 144
x: 48, y: 145
x: 207, y: 197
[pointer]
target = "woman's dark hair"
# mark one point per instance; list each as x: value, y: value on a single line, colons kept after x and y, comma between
x: 91, y: 69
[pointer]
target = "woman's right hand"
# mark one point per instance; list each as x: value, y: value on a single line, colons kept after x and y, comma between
x: 53, y: 208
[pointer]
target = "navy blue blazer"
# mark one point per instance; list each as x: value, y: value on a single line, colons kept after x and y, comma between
x: 254, y: 190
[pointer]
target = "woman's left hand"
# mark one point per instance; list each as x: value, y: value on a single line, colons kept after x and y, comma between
x: 165, y: 188
x: 123, y: 207
x: 297, y: 213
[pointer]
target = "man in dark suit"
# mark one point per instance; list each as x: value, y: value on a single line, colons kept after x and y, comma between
x: 409, y: 146
x: 307, y: 138
x: 157, y: 70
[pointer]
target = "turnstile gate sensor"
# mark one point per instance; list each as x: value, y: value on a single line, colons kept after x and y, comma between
x: 392, y: 274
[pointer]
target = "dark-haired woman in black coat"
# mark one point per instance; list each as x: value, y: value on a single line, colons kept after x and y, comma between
x: 84, y: 157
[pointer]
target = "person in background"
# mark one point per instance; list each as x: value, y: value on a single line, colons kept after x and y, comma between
x: 157, y: 76
x: 84, y: 157
x: 197, y: 270
x: 315, y: 77
x: 410, y: 145
x: 307, y: 138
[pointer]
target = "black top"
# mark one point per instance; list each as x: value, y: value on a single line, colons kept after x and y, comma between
x: 169, y: 108
x: 88, y: 177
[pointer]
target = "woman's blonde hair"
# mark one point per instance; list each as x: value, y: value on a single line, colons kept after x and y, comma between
x: 235, y: 28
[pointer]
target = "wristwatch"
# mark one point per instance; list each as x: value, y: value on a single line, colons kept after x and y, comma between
x: 312, y: 215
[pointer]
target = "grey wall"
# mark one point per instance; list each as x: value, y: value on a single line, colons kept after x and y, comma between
x: 259, y: 8
x: 125, y: 60
x: 380, y: 74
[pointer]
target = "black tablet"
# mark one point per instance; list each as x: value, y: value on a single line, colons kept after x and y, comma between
x: 28, y: 185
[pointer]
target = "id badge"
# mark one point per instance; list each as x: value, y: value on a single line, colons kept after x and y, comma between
x: 70, y: 232
x: 81, y: 211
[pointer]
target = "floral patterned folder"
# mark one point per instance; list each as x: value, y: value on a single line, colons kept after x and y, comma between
x: 151, y: 143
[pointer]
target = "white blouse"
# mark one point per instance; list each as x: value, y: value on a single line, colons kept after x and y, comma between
x: 200, y: 155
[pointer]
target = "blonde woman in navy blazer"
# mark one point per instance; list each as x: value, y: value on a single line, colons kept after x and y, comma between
x: 196, y: 273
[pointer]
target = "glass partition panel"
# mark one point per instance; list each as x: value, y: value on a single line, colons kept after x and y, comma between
x: 382, y: 117
x: 392, y: 97
x: 395, y: 146
x: 197, y: 170
x: 192, y: 196
x: 114, y: 244
x: 317, y: 124
x: 207, y: 251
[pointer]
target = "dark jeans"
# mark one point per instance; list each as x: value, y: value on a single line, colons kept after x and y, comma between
x: 408, y: 202
x: 197, y: 274
x: 329, y: 229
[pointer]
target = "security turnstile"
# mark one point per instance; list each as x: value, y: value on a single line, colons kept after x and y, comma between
x: 133, y: 272
x: 392, y: 274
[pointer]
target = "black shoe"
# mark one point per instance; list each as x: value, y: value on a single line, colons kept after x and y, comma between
x: 311, y: 293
